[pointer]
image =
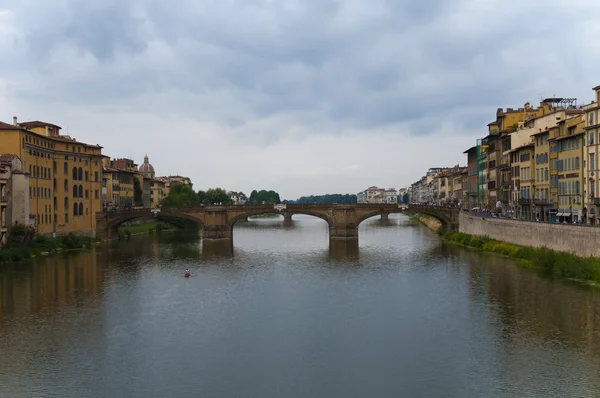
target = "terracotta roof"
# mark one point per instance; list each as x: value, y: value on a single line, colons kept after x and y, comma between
x: 7, y: 126
x: 7, y: 157
x: 564, y: 137
x: 596, y: 88
x: 523, y: 147
x: 19, y: 171
x: 37, y: 123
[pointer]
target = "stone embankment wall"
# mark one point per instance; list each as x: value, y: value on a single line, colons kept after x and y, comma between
x: 431, y: 222
x: 577, y: 239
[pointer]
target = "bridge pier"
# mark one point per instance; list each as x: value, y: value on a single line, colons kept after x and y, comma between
x: 216, y: 224
x: 287, y: 216
x: 385, y: 216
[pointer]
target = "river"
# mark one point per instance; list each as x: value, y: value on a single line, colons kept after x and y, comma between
x: 283, y: 315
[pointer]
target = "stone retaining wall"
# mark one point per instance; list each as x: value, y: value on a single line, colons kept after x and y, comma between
x: 577, y: 239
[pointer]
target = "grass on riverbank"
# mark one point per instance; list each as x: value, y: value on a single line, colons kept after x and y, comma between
x: 15, y: 251
x: 150, y: 228
x: 547, y: 261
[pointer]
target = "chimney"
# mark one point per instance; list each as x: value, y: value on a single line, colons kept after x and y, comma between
x: 47, y: 135
x: 14, y: 120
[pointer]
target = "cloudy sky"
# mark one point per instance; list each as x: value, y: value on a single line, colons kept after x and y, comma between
x: 300, y: 96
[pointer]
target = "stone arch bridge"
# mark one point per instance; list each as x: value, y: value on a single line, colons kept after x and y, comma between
x: 217, y: 221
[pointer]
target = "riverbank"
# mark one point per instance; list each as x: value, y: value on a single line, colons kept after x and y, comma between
x: 550, y: 262
x: 430, y: 222
x: 41, y: 246
x: 146, y: 228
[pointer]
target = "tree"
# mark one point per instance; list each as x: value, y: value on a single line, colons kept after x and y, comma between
x: 329, y: 198
x: 201, y: 196
x: 137, y: 192
x: 217, y: 196
x: 180, y: 195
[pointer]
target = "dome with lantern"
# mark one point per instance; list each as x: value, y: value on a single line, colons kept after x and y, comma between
x: 146, y: 168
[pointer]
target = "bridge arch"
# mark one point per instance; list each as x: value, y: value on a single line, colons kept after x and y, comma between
x: 133, y: 216
x: 251, y: 213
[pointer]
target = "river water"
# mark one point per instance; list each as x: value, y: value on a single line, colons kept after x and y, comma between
x: 283, y: 315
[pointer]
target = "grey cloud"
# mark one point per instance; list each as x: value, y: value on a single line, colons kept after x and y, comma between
x: 359, y: 64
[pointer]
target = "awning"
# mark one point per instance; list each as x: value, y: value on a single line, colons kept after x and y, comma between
x: 559, y: 214
x: 567, y: 214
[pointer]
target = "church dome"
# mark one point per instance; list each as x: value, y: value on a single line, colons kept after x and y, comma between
x: 146, y: 167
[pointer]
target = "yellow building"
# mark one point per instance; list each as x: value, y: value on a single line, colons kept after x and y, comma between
x: 65, y: 176
x: 566, y: 168
x: 158, y: 190
x: 542, y: 200
x: 119, y: 187
x: 592, y: 158
x: 522, y: 161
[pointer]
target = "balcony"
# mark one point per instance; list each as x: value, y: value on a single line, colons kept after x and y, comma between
x: 524, y: 201
x: 595, y: 201
x: 541, y: 202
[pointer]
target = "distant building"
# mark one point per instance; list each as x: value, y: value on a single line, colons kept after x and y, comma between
x: 377, y: 195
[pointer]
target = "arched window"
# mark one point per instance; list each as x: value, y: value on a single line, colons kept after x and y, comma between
x: 74, y: 173
x: 54, y: 169
x: 75, y: 208
x: 81, y: 191
x: 66, y: 204
x: 75, y: 191
x: 80, y: 174
x: 66, y: 185
x: 66, y: 169
x: 81, y: 209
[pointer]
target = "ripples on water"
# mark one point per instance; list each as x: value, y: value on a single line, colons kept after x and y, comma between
x: 282, y: 314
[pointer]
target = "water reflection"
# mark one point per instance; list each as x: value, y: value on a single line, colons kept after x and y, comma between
x: 68, y: 279
x: 412, y: 315
x: 217, y: 249
x: 343, y: 249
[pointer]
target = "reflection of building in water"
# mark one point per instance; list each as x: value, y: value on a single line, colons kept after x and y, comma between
x: 53, y: 280
x: 531, y: 306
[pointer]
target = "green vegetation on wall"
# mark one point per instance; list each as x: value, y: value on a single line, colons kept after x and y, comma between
x: 547, y: 261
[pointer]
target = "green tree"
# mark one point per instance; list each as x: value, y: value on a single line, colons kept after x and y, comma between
x: 215, y: 196
x: 137, y: 192
x: 201, y: 197
x: 180, y: 195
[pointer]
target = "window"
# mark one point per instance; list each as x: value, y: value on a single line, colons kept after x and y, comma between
x: 86, y: 176
x: 591, y: 138
x: 54, y: 166
x: 75, y: 192
x: 81, y: 191
x: 80, y: 174
x: 86, y: 211
x: 74, y: 173
x: 96, y: 194
x: 66, y: 218
x: 592, y: 165
x: 81, y: 209
x: 75, y: 209
x: 66, y: 204
x: 96, y: 176
x: 87, y: 194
